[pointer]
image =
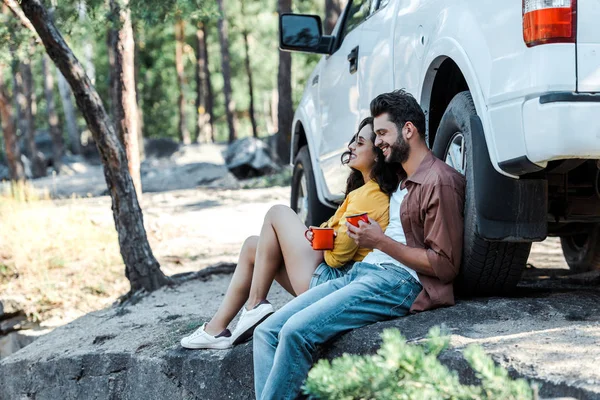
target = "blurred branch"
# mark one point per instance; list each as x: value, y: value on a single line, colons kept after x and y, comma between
x: 16, y: 10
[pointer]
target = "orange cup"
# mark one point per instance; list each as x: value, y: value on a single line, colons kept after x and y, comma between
x: 353, y: 219
x: 322, y: 238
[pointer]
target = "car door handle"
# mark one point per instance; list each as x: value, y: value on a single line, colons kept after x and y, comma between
x: 353, y: 60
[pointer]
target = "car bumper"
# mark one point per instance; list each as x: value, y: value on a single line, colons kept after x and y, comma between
x: 560, y: 126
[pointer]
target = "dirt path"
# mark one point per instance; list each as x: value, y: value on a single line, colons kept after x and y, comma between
x: 201, y: 218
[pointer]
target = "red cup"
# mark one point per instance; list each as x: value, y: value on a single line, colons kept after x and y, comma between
x: 322, y: 238
x: 353, y: 219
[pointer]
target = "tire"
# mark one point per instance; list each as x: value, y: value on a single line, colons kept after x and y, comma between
x: 582, y: 251
x: 487, y: 268
x: 304, y: 199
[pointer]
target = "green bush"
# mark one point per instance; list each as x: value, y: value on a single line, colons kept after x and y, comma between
x: 403, y: 371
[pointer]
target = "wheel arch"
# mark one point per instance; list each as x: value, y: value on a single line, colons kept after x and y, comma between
x: 444, y: 80
x: 446, y: 59
x: 298, y: 140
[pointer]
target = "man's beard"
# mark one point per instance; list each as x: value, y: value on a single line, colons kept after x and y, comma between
x: 399, y: 151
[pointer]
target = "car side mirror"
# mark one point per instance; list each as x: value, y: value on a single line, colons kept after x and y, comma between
x: 303, y: 33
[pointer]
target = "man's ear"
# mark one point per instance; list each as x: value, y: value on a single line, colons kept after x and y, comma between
x: 411, y: 130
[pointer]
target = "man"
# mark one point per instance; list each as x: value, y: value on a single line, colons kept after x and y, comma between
x: 411, y: 268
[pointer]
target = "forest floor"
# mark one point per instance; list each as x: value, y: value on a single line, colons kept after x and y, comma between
x: 59, y: 256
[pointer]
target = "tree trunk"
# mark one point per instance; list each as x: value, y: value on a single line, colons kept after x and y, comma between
x: 204, y: 132
x: 285, y: 111
x: 333, y: 9
x: 38, y: 164
x: 141, y: 268
x: 250, y: 90
x: 69, y: 110
x: 140, y: 112
x: 209, y: 92
x: 123, y: 75
x: 58, y: 144
x: 184, y: 134
x: 229, y: 106
x: 11, y: 145
x: 249, y: 73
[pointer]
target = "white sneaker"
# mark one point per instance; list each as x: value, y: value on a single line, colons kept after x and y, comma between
x: 202, y: 340
x: 249, y: 320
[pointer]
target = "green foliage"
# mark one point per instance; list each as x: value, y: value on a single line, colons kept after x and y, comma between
x: 85, y: 22
x: 403, y: 371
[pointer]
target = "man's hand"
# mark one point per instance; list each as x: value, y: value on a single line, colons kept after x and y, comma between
x: 366, y: 235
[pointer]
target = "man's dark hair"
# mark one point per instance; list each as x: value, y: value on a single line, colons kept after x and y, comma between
x: 401, y: 107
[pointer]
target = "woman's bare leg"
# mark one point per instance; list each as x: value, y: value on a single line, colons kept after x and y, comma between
x: 282, y: 240
x: 238, y: 290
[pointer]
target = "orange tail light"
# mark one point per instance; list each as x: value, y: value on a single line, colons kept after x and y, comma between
x: 549, y: 21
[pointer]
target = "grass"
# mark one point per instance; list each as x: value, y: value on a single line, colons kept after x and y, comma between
x: 57, y: 262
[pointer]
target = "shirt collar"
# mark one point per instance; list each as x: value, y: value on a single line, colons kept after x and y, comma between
x: 422, y: 170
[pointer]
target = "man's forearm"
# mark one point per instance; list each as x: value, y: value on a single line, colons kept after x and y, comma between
x: 412, y: 257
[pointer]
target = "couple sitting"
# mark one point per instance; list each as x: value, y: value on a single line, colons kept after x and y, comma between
x: 404, y: 260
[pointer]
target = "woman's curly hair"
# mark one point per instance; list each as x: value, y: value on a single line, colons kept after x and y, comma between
x: 387, y: 175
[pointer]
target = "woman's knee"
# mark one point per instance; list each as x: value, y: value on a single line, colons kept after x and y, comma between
x: 249, y: 248
x: 276, y: 212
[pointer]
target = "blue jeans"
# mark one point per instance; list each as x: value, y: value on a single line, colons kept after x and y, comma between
x: 285, y: 343
x: 325, y: 273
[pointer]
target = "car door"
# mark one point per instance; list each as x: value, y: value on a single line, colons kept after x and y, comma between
x: 376, y: 70
x: 338, y: 97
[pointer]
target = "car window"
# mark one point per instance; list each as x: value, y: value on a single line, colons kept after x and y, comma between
x: 359, y: 11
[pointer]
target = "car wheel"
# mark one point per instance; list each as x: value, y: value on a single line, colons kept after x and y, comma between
x: 304, y: 199
x: 487, y: 267
x: 582, y: 251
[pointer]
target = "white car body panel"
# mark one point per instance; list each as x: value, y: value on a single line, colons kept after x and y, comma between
x: 401, y: 46
x: 588, y: 46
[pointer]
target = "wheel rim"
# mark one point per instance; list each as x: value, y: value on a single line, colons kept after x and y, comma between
x: 302, y: 200
x: 455, y: 153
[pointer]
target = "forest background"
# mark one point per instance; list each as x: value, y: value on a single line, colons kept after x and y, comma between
x: 195, y: 63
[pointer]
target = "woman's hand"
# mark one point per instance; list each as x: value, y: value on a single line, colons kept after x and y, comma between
x: 366, y: 235
x: 309, y: 235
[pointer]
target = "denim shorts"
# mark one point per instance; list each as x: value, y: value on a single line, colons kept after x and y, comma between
x: 325, y: 273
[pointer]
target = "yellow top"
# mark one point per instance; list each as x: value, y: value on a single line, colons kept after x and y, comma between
x: 368, y: 198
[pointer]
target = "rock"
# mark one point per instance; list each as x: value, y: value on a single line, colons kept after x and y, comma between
x: 134, y: 352
x: 10, y: 308
x: 15, y: 341
x: 14, y: 323
x: 187, y: 176
x: 249, y: 157
x: 160, y: 148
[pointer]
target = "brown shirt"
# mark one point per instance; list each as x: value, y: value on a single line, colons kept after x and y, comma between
x: 432, y: 218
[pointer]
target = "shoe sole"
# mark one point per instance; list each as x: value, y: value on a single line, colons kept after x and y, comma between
x: 207, y: 347
x: 247, y: 334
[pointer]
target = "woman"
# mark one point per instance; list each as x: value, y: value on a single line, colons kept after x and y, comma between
x: 281, y: 252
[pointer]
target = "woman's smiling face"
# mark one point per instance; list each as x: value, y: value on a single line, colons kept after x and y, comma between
x: 362, y: 154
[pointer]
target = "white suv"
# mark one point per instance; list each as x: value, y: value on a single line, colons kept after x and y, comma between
x: 511, y: 92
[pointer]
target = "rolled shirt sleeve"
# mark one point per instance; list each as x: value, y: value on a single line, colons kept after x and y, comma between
x: 443, y: 231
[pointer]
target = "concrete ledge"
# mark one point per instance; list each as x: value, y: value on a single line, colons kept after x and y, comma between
x: 133, y: 352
